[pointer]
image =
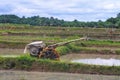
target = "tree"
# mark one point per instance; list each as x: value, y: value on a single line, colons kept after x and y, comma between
x: 118, y: 15
x: 45, y: 21
x: 9, y: 19
x: 112, y: 20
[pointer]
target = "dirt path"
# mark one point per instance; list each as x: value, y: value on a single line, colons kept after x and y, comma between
x: 24, y: 75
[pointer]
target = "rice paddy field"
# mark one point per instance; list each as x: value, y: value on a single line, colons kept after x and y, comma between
x: 102, y: 43
x: 13, y: 38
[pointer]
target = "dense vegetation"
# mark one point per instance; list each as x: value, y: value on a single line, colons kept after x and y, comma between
x: 44, y: 21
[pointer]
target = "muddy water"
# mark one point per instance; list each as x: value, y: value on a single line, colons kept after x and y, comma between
x: 99, y: 61
x: 96, y: 59
x: 9, y: 51
x: 24, y: 75
x: 70, y: 57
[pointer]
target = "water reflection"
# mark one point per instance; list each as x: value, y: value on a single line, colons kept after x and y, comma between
x: 99, y: 61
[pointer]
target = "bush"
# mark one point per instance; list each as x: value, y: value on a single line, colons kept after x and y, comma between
x: 25, y: 62
x: 73, y: 48
x: 63, y: 50
x: 7, y: 63
x: 117, y: 52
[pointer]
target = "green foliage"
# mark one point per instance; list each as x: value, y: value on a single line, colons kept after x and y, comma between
x: 79, y: 48
x: 117, y: 52
x: 7, y: 63
x: 43, y: 21
x: 100, y: 43
x: 73, y: 48
x: 25, y: 62
x: 63, y: 50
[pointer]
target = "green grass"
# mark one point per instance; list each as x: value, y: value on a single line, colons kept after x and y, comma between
x: 53, y: 31
x: 100, y: 43
x: 63, y: 50
x: 29, y: 63
x: 85, y: 46
x: 72, y: 48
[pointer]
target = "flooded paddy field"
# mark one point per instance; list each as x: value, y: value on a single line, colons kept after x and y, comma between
x: 93, y: 59
x: 74, y: 56
x: 99, y: 61
x: 10, y: 51
x: 25, y: 75
x: 86, y: 58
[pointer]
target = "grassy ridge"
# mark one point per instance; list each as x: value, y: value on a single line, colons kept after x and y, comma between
x: 83, y: 46
x: 15, y: 29
x: 10, y: 34
x: 51, y: 40
x: 28, y: 63
x: 13, y: 44
x: 29, y: 38
x: 74, y: 49
x: 101, y: 43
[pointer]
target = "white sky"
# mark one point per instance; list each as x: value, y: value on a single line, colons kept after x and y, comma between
x: 82, y: 10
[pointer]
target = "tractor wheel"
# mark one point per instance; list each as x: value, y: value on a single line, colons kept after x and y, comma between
x: 34, y: 51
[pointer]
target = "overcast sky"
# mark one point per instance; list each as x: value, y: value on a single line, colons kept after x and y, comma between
x: 82, y: 10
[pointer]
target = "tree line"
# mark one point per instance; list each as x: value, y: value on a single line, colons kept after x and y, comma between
x: 45, y: 21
